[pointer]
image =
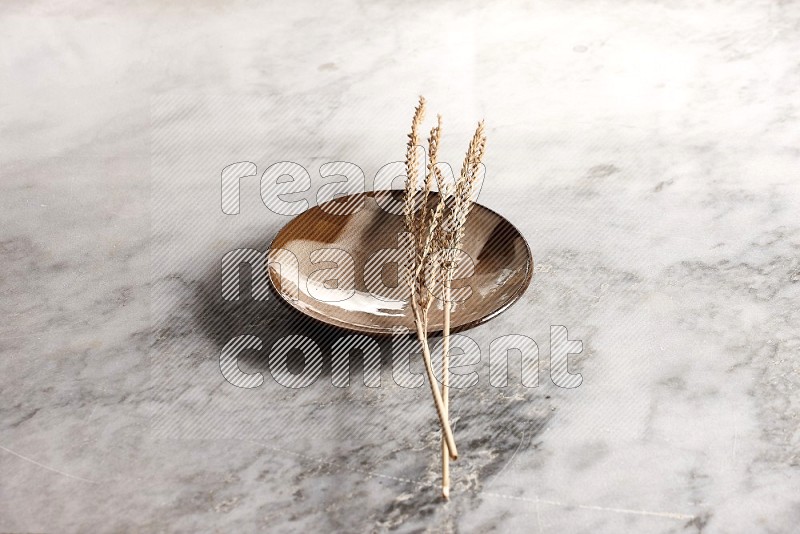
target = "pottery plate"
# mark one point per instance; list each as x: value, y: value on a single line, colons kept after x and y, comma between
x: 334, y: 263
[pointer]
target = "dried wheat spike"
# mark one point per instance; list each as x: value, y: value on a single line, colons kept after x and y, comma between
x: 433, y: 157
x: 412, y: 167
x: 465, y: 188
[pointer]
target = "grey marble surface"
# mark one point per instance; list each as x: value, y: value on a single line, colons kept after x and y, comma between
x: 648, y: 152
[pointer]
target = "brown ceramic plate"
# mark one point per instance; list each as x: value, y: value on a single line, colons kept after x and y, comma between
x: 326, y: 285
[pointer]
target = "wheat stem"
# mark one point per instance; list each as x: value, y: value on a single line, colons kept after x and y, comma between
x: 446, y: 387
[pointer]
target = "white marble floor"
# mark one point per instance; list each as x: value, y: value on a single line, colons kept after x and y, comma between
x: 648, y: 151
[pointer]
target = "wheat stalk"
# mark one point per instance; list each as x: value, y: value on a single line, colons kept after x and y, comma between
x: 450, y: 242
x: 436, y: 235
x: 420, y: 298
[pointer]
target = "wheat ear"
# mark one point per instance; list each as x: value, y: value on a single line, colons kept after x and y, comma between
x: 412, y: 168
